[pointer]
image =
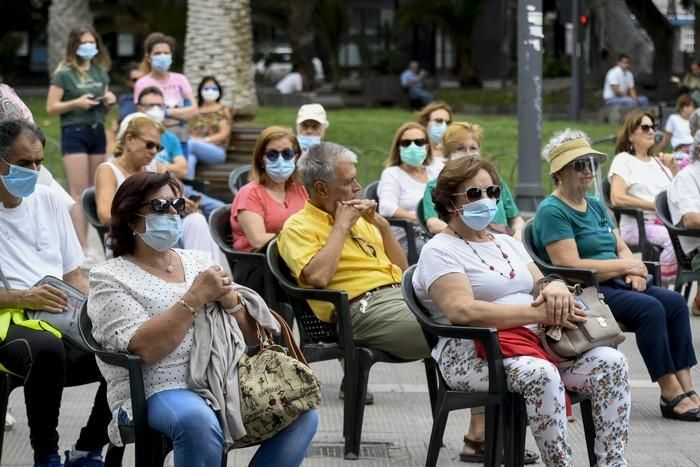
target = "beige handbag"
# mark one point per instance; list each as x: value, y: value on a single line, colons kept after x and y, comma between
x: 275, y: 388
x: 599, y: 329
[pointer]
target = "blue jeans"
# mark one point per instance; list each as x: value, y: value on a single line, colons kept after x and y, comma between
x: 206, y: 153
x: 659, y: 319
x: 627, y: 101
x: 198, y: 441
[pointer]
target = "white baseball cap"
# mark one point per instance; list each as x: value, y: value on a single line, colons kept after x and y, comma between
x: 314, y: 112
x: 125, y: 123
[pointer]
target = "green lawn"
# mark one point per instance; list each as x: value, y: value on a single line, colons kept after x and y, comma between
x: 369, y: 132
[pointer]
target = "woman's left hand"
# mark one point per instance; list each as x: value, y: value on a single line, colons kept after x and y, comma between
x: 110, y: 98
x: 559, y: 302
x: 636, y: 283
x: 669, y: 160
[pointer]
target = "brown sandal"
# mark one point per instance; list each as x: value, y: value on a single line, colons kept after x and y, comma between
x: 479, y: 454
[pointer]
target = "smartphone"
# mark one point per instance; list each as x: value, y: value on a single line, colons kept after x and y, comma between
x: 195, y: 197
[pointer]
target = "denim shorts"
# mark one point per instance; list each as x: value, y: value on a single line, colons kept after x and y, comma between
x: 83, y: 138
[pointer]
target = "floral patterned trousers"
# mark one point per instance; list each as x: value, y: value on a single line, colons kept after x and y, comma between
x: 601, y: 372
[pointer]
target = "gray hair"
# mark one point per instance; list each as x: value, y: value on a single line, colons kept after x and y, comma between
x: 319, y: 162
x: 11, y: 129
x: 560, y: 138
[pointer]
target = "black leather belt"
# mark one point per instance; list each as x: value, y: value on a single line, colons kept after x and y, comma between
x: 373, y: 291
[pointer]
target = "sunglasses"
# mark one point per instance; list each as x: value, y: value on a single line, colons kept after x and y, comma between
x: 365, y: 246
x: 287, y: 154
x: 440, y: 121
x: 162, y: 206
x: 404, y: 143
x: 210, y: 88
x: 150, y: 145
x: 475, y: 193
x: 584, y: 165
x: 646, y: 128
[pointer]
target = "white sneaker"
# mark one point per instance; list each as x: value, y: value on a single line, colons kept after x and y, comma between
x: 9, y: 421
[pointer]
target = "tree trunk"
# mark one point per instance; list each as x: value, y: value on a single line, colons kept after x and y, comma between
x: 696, y: 31
x: 301, y: 39
x: 219, y: 42
x: 660, y: 31
x: 64, y: 15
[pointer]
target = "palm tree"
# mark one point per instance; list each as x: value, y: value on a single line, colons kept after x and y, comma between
x: 219, y: 42
x: 455, y: 18
x: 65, y: 15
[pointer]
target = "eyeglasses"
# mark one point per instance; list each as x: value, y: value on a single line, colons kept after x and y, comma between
x: 365, y: 246
x: 475, y: 193
x: 646, y: 128
x: 404, y: 143
x: 584, y: 165
x: 287, y: 154
x: 162, y: 206
x: 440, y: 121
x: 150, y: 145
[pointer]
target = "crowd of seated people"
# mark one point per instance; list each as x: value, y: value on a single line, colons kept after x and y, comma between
x: 304, y: 192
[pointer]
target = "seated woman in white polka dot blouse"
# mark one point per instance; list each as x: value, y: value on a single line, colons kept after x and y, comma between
x: 144, y: 301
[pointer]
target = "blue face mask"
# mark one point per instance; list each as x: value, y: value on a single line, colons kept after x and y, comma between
x: 280, y: 170
x: 479, y: 214
x: 307, y: 141
x: 86, y: 51
x: 162, y: 231
x: 437, y: 130
x: 413, y: 155
x: 20, y: 182
x: 162, y: 62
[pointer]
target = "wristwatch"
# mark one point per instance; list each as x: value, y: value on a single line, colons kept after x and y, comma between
x: 239, y: 306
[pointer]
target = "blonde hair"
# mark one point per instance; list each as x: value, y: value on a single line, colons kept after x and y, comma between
x: 394, y: 157
x: 269, y: 134
x: 70, y: 58
x: 456, y: 133
x: 135, y: 129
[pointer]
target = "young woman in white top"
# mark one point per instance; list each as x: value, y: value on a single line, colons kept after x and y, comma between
x: 636, y: 177
x: 677, y: 128
x: 408, y: 169
x: 137, y: 146
x: 436, y: 117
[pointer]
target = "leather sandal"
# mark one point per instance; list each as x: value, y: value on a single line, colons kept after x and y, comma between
x: 691, y: 415
x: 479, y: 453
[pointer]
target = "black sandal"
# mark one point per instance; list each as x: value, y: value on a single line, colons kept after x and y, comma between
x: 691, y: 415
x: 479, y: 454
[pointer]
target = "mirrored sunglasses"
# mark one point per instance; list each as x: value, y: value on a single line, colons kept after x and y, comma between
x: 161, y: 206
x: 287, y: 154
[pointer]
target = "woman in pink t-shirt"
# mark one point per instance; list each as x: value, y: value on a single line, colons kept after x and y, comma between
x: 180, y: 104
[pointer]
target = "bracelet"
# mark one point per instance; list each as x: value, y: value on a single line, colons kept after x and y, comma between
x: 188, y: 307
x: 238, y: 307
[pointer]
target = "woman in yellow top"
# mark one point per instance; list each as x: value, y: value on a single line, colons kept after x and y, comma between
x: 210, y: 129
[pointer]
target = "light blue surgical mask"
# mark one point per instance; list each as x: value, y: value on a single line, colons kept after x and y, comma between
x: 20, y: 182
x: 437, y: 130
x: 413, y: 155
x: 280, y: 170
x: 479, y: 214
x: 162, y: 231
x: 162, y: 62
x: 86, y: 51
x: 306, y: 141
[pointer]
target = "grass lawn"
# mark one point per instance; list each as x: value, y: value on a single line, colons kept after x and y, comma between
x: 369, y: 132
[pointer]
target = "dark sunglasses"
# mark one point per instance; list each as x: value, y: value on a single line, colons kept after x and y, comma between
x: 584, y: 165
x: 287, y: 154
x: 646, y: 128
x: 404, y: 143
x: 440, y: 121
x: 150, y: 145
x: 161, y: 206
x: 475, y: 193
x: 365, y: 246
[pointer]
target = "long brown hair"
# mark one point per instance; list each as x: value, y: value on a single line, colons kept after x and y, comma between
x: 394, y: 157
x: 151, y: 41
x: 70, y: 58
x: 629, y: 125
x: 424, y: 114
x: 271, y: 133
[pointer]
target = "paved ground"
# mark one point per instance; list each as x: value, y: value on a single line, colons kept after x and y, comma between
x: 396, y: 428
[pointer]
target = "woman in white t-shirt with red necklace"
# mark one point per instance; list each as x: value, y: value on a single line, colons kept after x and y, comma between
x: 636, y: 177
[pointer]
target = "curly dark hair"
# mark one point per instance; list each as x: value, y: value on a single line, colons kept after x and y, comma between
x: 11, y: 129
x: 127, y: 202
x: 200, y: 101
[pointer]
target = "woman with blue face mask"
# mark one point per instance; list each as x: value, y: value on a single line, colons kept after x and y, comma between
x: 261, y: 207
x: 210, y: 128
x: 145, y: 301
x: 79, y: 93
x: 467, y: 275
x: 436, y: 117
x: 408, y: 169
x: 180, y: 103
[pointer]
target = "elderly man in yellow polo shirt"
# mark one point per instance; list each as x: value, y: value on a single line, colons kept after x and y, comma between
x: 339, y: 242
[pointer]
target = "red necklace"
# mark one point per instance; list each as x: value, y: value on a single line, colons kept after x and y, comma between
x: 510, y: 275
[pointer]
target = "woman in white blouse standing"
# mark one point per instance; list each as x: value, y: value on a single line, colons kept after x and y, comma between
x: 636, y: 177
x: 408, y: 169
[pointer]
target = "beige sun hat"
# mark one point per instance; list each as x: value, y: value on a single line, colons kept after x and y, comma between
x: 571, y: 150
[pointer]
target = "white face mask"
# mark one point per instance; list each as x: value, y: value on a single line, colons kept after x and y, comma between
x: 156, y: 112
x: 210, y: 95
